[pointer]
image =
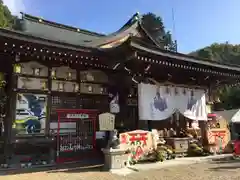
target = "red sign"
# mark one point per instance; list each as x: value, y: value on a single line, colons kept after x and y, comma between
x: 142, y: 137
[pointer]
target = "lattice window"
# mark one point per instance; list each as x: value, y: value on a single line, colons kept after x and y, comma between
x: 56, y: 100
x: 69, y: 102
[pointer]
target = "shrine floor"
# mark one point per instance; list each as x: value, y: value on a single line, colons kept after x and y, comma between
x: 216, y: 169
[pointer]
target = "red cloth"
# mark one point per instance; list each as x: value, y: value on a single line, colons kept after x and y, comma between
x: 211, y: 115
x: 237, y: 147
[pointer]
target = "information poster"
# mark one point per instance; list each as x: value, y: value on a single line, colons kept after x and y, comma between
x: 30, y: 113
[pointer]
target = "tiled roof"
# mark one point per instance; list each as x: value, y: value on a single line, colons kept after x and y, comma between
x: 54, y: 31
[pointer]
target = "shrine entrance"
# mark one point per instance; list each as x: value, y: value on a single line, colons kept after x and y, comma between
x: 76, y: 135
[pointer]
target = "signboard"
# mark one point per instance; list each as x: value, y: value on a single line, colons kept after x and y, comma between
x: 77, y: 116
x: 74, y: 147
x: 106, y: 122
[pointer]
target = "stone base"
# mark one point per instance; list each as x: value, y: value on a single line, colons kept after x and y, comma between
x: 179, y: 144
x: 115, y: 158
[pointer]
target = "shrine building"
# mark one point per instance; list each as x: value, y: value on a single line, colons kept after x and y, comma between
x: 57, y: 79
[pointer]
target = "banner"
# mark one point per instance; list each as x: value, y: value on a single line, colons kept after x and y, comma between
x: 160, y: 102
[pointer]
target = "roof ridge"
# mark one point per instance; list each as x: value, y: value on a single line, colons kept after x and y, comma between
x: 134, y: 19
x: 148, y: 34
x: 118, y: 34
x: 59, y: 25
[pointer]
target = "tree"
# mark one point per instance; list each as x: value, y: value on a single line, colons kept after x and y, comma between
x: 6, y: 18
x: 6, y: 21
x: 153, y: 24
x: 224, y: 53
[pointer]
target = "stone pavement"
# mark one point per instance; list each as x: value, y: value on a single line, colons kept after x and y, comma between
x: 217, y: 169
x: 169, y: 163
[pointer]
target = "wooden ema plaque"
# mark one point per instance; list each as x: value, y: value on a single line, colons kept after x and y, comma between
x: 106, y: 122
x: 138, y: 142
x: 219, y: 139
x: 218, y: 133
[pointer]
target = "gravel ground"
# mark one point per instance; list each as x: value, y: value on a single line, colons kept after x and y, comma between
x: 220, y: 170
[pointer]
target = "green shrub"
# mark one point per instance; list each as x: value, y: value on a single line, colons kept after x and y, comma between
x: 161, y: 156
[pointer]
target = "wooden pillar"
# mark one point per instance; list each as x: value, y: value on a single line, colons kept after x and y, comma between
x: 120, y: 118
x: 136, y: 117
x: 136, y: 109
x: 79, y: 104
x: 49, y: 102
x: 11, y: 82
x: 204, y: 124
x: 149, y: 123
x: 178, y: 125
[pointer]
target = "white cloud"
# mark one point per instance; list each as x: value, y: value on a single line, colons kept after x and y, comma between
x: 15, y: 6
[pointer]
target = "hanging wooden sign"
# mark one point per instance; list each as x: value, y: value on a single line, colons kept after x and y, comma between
x: 106, y: 122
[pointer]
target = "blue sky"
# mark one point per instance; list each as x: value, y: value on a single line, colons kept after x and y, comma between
x: 198, y: 23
